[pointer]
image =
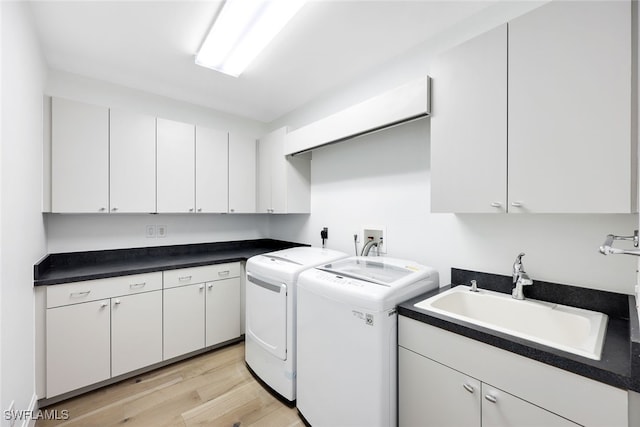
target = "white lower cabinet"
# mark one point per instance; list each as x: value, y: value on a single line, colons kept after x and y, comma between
x: 445, y: 379
x: 222, y: 311
x: 183, y: 320
x: 432, y: 394
x: 78, y: 346
x: 201, y: 307
x: 136, y: 331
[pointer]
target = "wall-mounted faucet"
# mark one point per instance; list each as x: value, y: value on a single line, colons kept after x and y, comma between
x: 520, y: 278
x: 367, y: 247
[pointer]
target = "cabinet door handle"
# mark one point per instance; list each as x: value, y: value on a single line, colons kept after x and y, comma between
x: 199, y: 209
x: 101, y: 209
x: 210, y: 286
x: 468, y: 387
x: 201, y: 287
x: 491, y: 398
x: 517, y: 204
x: 103, y: 304
x: 114, y: 209
x: 223, y: 273
x: 137, y: 285
x: 190, y: 209
x: 79, y: 294
x: 184, y: 278
x: 496, y: 204
x: 232, y: 210
x: 117, y: 302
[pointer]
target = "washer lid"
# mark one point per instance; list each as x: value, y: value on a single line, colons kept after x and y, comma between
x: 381, y: 272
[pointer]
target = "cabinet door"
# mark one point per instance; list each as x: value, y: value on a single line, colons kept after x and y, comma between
x: 222, y: 311
x: 569, y: 109
x: 469, y: 126
x: 431, y: 394
x: 265, y: 152
x: 136, y: 331
x: 132, y: 155
x: 501, y: 409
x: 212, y: 170
x: 176, y: 166
x: 183, y: 320
x: 242, y: 173
x: 79, y: 157
x: 78, y: 346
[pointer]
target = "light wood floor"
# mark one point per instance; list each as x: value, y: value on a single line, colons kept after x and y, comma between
x: 214, y: 389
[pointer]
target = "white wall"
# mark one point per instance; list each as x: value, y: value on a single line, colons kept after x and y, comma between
x: 22, y: 241
x: 70, y: 233
x: 383, y: 179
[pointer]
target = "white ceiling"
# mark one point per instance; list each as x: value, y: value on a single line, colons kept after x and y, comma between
x: 150, y: 45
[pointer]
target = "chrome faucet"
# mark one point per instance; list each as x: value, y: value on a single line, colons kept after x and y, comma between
x: 520, y: 278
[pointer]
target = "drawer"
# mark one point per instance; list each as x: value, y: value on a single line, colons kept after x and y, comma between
x: 207, y: 273
x: 91, y: 290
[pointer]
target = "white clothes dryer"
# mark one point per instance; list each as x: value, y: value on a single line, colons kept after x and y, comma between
x: 347, y: 338
x: 270, y: 338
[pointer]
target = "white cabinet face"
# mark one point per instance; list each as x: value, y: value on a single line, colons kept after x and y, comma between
x: 176, y: 166
x: 431, y: 394
x: 78, y: 346
x: 136, y: 331
x: 79, y: 157
x: 132, y: 162
x: 212, y: 170
x: 183, y: 320
x: 242, y: 173
x: 469, y: 126
x: 569, y: 108
x: 503, y: 409
x: 222, y: 311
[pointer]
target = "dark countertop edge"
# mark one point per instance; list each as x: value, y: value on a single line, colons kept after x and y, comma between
x: 601, y: 371
x: 634, y: 333
x: 122, y: 262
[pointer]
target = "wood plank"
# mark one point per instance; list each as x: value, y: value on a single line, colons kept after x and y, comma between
x: 215, y: 388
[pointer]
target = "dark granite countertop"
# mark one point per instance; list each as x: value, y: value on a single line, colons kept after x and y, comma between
x: 619, y: 365
x: 77, y: 266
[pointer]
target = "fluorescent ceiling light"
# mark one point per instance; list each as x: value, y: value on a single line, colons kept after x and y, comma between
x: 242, y: 30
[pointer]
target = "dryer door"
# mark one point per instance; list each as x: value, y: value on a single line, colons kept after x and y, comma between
x: 266, y: 307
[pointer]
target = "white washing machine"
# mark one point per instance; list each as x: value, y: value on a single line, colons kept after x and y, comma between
x: 347, y: 337
x: 270, y: 337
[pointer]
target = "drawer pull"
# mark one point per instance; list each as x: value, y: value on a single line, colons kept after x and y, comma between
x: 79, y: 294
x: 491, y: 398
x: 469, y: 388
x: 223, y: 273
x: 103, y: 304
x: 137, y: 285
x: 184, y: 278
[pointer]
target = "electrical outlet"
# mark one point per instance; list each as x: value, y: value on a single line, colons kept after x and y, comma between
x: 150, y: 231
x: 162, y: 231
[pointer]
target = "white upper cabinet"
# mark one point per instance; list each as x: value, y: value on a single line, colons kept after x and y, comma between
x: 242, y: 173
x: 80, y: 157
x: 176, y: 166
x: 561, y: 92
x: 132, y: 164
x: 570, y: 100
x: 212, y: 170
x: 469, y: 126
x: 283, y: 181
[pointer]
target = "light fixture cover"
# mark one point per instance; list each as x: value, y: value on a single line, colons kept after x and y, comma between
x: 242, y: 30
